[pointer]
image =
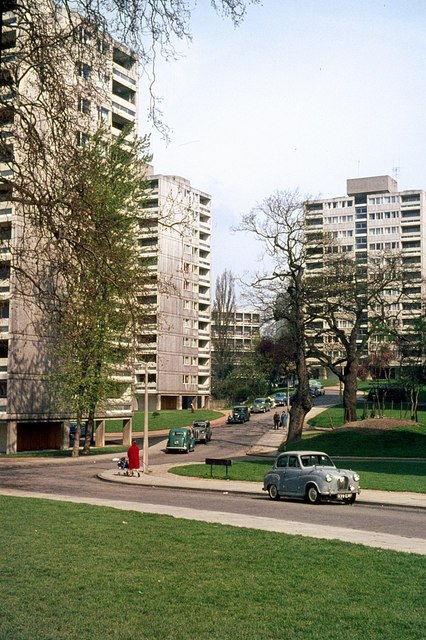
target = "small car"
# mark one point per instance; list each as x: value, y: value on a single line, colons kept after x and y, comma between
x: 280, y: 399
x: 310, y: 475
x: 240, y: 414
x: 260, y: 405
x: 202, y: 431
x: 180, y: 439
x: 316, y: 388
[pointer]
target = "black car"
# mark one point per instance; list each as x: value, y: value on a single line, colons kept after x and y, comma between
x: 239, y: 415
x: 202, y: 431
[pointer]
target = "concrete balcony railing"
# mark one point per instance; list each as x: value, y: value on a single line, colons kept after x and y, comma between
x: 124, y: 108
x: 124, y: 77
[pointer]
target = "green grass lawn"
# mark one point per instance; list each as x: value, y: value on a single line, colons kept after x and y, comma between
x: 375, y: 474
x: 333, y: 417
x: 399, y: 442
x: 76, y: 572
x: 164, y: 419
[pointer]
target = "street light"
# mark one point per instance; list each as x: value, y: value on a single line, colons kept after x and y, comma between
x: 145, y: 425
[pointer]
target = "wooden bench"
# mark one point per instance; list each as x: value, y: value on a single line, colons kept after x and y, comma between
x: 222, y: 462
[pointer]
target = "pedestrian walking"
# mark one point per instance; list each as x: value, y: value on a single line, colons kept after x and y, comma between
x: 276, y: 420
x: 134, y: 461
x: 284, y: 417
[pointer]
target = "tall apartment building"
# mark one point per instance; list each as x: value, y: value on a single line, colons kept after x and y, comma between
x: 374, y: 217
x: 174, y: 347
x: 28, y: 420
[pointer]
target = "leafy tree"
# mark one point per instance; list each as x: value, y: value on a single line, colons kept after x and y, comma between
x: 276, y: 355
x: 90, y: 278
x: 412, y: 352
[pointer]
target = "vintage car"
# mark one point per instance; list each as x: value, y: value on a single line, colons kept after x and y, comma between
x: 240, y: 414
x: 202, y: 431
x: 180, y: 439
x: 310, y: 475
x: 316, y: 388
x: 260, y: 405
x: 280, y: 399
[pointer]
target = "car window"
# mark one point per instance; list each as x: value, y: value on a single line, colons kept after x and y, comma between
x: 293, y: 461
x: 306, y: 461
x: 282, y: 462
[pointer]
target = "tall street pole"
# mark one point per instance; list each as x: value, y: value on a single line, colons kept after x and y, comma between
x: 145, y: 424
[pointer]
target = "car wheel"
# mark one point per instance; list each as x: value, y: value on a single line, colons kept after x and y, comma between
x: 273, y: 492
x: 312, y: 496
x: 350, y: 500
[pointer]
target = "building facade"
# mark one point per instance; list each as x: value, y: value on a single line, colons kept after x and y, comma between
x: 242, y: 330
x: 174, y: 347
x: 100, y: 85
x: 374, y: 219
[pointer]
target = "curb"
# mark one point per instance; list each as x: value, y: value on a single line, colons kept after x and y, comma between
x: 394, y: 499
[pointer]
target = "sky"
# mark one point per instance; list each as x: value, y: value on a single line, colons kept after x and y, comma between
x: 302, y: 95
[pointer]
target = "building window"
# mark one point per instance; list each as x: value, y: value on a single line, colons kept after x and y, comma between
x: 103, y: 114
x: 84, y: 105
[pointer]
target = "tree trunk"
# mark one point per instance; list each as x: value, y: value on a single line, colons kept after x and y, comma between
x: 349, y: 390
x: 303, y: 400
x: 76, y: 446
x: 89, y: 432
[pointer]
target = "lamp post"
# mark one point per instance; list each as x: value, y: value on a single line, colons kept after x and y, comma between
x: 145, y: 424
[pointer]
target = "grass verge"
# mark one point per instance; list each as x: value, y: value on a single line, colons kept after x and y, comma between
x: 76, y: 572
x: 396, y: 442
x: 157, y: 421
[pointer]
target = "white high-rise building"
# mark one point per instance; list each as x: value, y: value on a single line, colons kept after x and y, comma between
x: 174, y: 347
x: 371, y: 219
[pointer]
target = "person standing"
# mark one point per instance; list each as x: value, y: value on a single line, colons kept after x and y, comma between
x: 134, y: 460
x: 276, y: 420
x: 284, y: 417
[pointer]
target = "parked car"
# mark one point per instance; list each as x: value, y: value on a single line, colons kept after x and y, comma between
x: 180, y: 439
x: 73, y: 430
x: 260, y: 405
x: 316, y: 388
x: 240, y: 414
x: 202, y: 431
x: 280, y: 399
x: 310, y: 475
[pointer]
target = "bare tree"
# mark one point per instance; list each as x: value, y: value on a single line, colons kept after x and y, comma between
x: 278, y: 222
x: 222, y: 326
x: 349, y: 303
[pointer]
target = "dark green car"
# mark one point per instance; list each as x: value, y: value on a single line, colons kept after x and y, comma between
x: 239, y: 415
x: 180, y: 439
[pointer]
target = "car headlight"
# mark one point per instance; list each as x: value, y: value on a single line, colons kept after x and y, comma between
x: 356, y: 477
x: 328, y: 478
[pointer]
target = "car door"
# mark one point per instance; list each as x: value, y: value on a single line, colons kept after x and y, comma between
x: 292, y: 476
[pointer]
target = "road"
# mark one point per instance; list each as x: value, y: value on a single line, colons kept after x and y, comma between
x: 79, y: 478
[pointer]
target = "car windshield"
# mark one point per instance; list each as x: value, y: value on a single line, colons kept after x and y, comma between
x: 318, y: 460
x: 259, y: 400
x: 178, y: 433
